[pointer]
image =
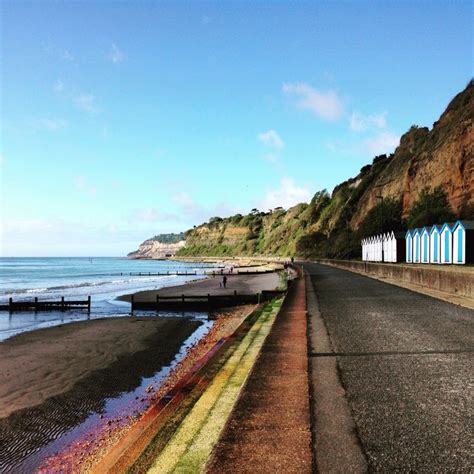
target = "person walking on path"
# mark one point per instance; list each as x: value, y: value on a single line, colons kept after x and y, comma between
x: 224, y: 281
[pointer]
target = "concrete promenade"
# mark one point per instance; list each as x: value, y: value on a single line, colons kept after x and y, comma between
x: 392, y: 375
x: 269, y: 429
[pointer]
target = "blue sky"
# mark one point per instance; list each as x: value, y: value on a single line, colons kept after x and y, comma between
x: 121, y: 120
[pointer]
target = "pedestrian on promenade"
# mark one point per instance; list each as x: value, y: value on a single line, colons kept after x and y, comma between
x: 224, y: 281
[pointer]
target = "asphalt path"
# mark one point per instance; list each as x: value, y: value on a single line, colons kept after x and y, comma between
x: 405, y: 361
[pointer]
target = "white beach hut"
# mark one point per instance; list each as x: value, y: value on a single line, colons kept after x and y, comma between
x: 416, y: 246
x: 377, y: 248
x: 435, y: 244
x: 463, y: 243
x: 363, y: 245
x: 425, y: 245
x: 409, y: 246
x: 446, y: 244
x: 395, y: 247
x: 386, y: 247
x: 380, y: 253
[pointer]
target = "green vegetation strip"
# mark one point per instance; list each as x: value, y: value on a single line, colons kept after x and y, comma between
x: 191, y: 445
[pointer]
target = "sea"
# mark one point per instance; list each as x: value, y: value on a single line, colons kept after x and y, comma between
x: 102, y: 278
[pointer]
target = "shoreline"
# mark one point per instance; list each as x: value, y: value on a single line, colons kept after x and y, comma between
x: 86, y: 453
x: 58, y: 378
x: 242, y: 283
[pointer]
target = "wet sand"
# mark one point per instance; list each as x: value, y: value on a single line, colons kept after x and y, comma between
x: 53, y: 379
x: 85, y: 453
x: 243, y: 284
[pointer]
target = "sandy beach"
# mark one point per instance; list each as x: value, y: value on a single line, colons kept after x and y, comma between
x: 53, y: 379
x: 243, y: 284
x: 85, y: 453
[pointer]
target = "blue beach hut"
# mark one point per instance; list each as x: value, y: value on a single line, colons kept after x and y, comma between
x: 416, y: 246
x: 409, y: 246
x: 446, y: 234
x: 463, y: 243
x: 425, y: 245
x: 435, y: 244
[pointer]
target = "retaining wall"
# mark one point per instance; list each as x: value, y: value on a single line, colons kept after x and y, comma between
x: 454, y: 281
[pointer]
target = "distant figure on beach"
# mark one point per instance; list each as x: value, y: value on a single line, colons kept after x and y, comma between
x: 292, y: 259
x: 224, y: 281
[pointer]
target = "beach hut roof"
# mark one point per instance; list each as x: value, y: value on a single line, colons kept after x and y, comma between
x: 416, y: 231
x: 446, y: 225
x: 466, y: 225
x: 425, y: 229
x: 408, y: 233
x: 435, y: 227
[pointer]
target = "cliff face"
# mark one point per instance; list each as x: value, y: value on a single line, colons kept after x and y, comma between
x: 440, y: 157
x: 152, y: 248
x: 443, y: 156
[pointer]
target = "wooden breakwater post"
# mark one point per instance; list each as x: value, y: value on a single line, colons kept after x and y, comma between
x: 132, y: 301
x: 10, y: 304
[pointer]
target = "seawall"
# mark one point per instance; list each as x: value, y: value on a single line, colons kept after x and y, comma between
x: 451, y: 280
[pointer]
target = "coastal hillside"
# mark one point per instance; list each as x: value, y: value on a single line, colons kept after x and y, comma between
x: 429, y: 177
x: 159, y: 246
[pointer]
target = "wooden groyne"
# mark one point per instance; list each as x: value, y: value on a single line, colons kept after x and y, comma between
x: 203, y: 302
x: 36, y: 305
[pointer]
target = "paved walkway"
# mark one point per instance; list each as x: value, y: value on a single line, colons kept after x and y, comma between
x: 401, y: 380
x: 269, y: 429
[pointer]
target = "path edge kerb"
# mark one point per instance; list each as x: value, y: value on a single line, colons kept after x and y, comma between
x: 336, y: 446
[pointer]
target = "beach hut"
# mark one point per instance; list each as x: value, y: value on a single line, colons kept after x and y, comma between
x: 463, y: 242
x: 425, y: 245
x: 409, y: 246
x: 435, y: 244
x: 372, y: 249
x: 416, y: 246
x: 378, y: 242
x: 446, y: 235
x: 363, y: 245
x: 396, y: 247
x: 380, y: 248
x: 386, y: 254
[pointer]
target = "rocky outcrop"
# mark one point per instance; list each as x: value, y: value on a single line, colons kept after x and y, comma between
x: 442, y: 156
x: 152, y: 248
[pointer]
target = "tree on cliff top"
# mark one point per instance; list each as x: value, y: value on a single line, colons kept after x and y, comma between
x: 432, y: 207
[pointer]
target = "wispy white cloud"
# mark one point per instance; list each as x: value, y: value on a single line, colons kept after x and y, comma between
x: 58, y: 86
x: 271, y: 157
x: 82, y: 184
x: 50, y: 124
x: 86, y: 102
x: 324, y: 104
x: 151, y: 214
x: 359, y: 122
x: 82, y: 100
x: 384, y: 142
x: 286, y: 195
x: 192, y: 211
x: 115, y: 55
x: 67, y: 56
x: 271, y: 139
